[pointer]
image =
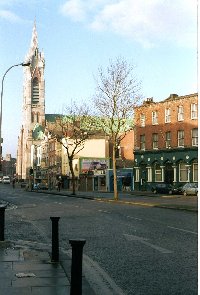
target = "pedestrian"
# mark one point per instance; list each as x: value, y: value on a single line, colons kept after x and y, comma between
x: 59, y: 185
x: 13, y: 183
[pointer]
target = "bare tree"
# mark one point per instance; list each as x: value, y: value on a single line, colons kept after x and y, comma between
x: 72, y: 130
x: 117, y: 94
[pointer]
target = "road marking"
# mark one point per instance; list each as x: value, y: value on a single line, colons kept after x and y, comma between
x: 184, y: 230
x: 104, y: 211
x: 144, y: 241
x: 133, y: 217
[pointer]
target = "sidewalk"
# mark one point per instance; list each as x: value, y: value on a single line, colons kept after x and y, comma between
x: 140, y: 198
x: 26, y: 270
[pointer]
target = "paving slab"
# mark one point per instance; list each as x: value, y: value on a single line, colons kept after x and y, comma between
x: 40, y: 282
x: 37, y: 274
x: 63, y: 290
x: 15, y: 291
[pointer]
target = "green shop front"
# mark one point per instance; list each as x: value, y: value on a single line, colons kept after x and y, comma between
x: 171, y: 166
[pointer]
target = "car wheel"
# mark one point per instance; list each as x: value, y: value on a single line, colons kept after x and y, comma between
x: 170, y: 192
x: 185, y: 194
x: 155, y: 191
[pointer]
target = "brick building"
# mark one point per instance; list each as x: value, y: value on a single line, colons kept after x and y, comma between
x: 166, y: 141
x: 125, y: 154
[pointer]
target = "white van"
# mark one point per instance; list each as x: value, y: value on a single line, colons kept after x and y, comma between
x: 6, y: 179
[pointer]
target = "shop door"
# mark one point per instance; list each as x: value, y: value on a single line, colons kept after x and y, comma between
x: 169, y: 173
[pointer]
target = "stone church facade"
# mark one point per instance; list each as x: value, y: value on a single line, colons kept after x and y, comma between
x: 33, y: 108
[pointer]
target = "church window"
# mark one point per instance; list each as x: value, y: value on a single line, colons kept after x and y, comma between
x: 35, y: 91
x: 32, y: 117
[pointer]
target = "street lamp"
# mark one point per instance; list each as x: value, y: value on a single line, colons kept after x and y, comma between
x: 23, y: 65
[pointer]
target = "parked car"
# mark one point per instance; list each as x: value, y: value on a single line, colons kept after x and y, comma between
x: 6, y: 180
x: 24, y: 184
x: 40, y: 186
x: 190, y: 189
x: 164, y: 188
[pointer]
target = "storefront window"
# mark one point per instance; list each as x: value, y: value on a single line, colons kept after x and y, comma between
x: 195, y: 172
x: 158, y: 173
x: 137, y: 175
x: 183, y: 172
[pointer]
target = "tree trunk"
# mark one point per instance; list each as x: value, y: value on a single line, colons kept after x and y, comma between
x: 115, y: 175
x: 73, y: 177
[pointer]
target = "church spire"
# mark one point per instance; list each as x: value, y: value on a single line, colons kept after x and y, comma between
x: 34, y: 39
x: 34, y: 43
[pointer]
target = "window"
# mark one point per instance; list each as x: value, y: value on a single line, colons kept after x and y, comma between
x: 149, y: 174
x: 142, y: 142
x: 154, y: 117
x: 35, y: 91
x: 158, y: 173
x: 155, y: 140
x: 180, y: 138
x: 194, y: 111
x: 167, y: 115
x: 183, y: 172
x: 137, y: 174
x: 195, y: 172
x: 168, y: 139
x: 32, y: 117
x: 195, y: 137
x: 180, y: 113
x: 142, y: 120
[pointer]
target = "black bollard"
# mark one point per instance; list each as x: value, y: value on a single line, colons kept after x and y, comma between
x: 76, y: 266
x: 2, y: 221
x: 55, y: 239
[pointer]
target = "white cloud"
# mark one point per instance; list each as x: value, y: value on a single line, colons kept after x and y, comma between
x: 147, y: 22
x: 9, y: 16
x: 74, y: 9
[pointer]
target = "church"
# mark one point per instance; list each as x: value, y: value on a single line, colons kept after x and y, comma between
x: 33, y: 107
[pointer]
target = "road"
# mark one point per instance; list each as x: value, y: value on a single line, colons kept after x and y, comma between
x: 129, y: 249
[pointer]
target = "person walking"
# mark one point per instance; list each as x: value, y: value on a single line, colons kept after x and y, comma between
x: 13, y: 182
x: 59, y: 185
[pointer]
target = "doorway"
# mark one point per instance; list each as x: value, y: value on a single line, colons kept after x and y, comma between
x: 169, y: 173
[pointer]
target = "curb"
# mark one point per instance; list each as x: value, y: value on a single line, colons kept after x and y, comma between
x: 100, y: 199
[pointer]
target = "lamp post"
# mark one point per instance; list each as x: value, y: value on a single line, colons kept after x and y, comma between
x: 1, y: 141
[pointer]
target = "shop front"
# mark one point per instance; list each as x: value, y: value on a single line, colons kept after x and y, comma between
x: 173, y: 166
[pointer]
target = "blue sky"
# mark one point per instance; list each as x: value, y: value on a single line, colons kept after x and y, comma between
x: 78, y: 36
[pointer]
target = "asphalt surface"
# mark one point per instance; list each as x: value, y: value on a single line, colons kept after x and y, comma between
x: 111, y: 264
x: 178, y: 202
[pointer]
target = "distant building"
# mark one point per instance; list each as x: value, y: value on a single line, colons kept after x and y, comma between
x: 166, y: 141
x: 9, y: 166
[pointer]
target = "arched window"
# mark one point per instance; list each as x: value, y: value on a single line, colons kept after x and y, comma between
x: 183, y: 172
x: 158, y: 172
x: 195, y: 171
x: 35, y: 91
x: 38, y: 116
x: 32, y: 117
